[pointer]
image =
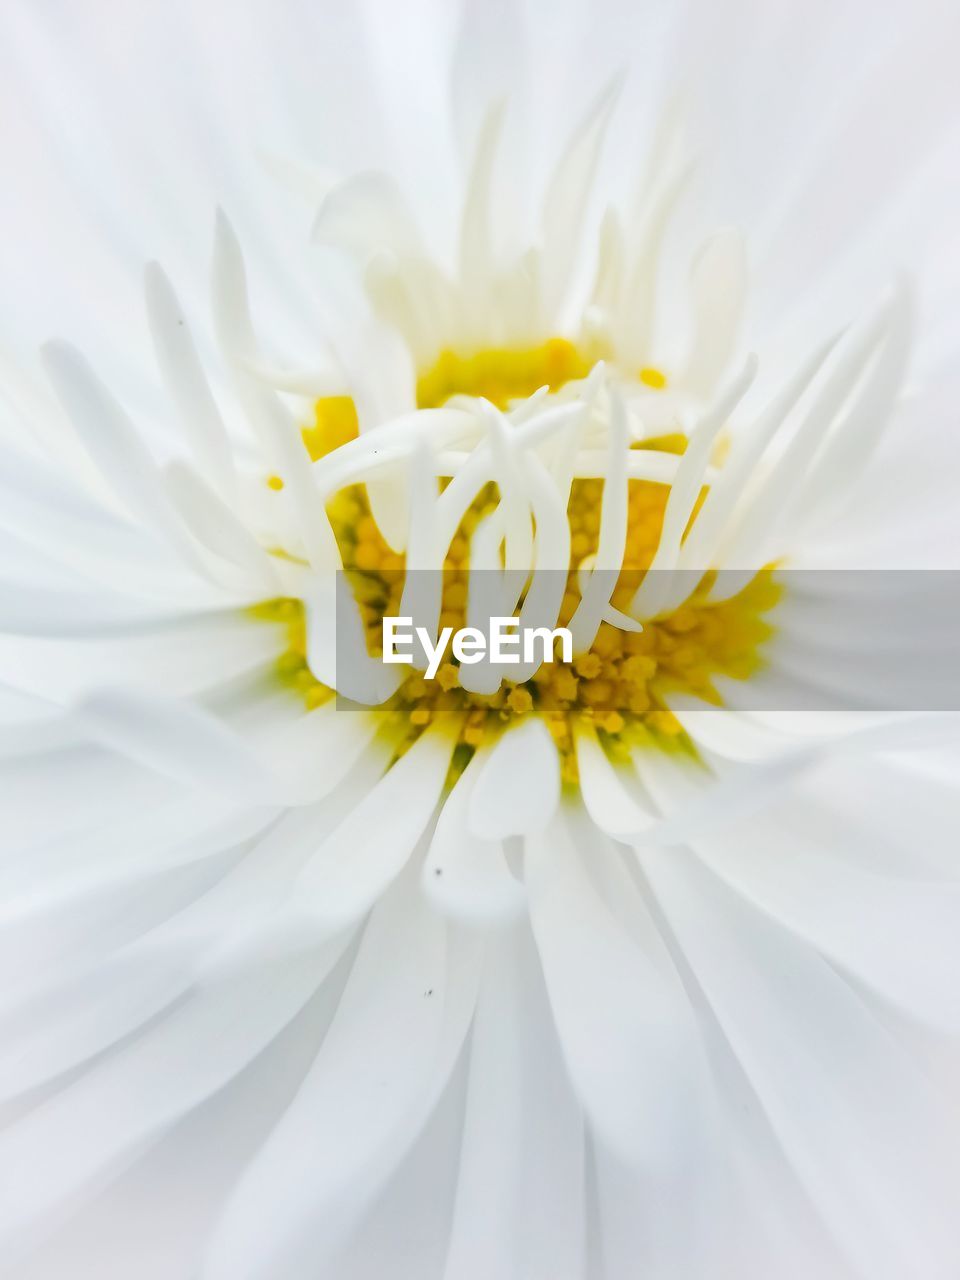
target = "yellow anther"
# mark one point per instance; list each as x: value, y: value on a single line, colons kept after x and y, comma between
x: 335, y: 423
x: 638, y: 667
x: 619, y: 685
x: 588, y: 665
x: 612, y: 722
x: 448, y: 677
x: 502, y: 375
x: 565, y: 685
x: 520, y: 700
x: 595, y: 692
x: 682, y: 619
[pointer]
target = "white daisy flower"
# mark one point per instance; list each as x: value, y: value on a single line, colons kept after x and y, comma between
x: 641, y: 962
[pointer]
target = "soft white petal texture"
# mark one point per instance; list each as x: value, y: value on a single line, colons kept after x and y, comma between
x: 851, y: 914
x: 179, y: 740
x: 356, y: 863
x: 213, y: 1141
x: 882, y: 1176
x: 214, y: 526
x: 634, y: 1062
x: 301, y: 992
x: 267, y: 414
x: 465, y: 874
x: 318, y: 750
x: 567, y: 193
x: 108, y: 436
x: 100, y: 1121
x: 606, y: 794
x: 518, y: 786
x: 516, y: 1214
x: 393, y: 1042
x: 187, y: 384
x: 718, y: 288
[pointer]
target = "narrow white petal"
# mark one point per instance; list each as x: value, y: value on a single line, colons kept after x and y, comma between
x: 624, y: 1021
x: 719, y: 291
x: 67, y: 1147
x: 520, y: 1204
x: 179, y: 740
x: 464, y: 875
x: 187, y: 384
x: 354, y: 865
x: 567, y: 196
x: 216, y: 527
x: 518, y: 788
x: 605, y: 792
x: 883, y: 1176
x: 398, y: 1030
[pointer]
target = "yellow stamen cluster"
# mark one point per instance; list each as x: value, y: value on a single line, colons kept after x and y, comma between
x: 502, y: 374
x: 620, y: 684
x: 335, y: 423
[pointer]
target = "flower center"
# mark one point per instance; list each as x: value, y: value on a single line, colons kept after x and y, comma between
x: 622, y: 683
x: 508, y: 373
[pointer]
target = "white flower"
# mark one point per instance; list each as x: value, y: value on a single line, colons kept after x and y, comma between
x: 576, y: 977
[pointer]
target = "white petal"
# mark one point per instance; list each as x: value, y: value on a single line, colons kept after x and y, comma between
x: 719, y: 291
x: 396, y: 1035
x: 187, y: 383
x: 898, y: 937
x: 464, y: 875
x: 605, y: 790
x: 567, y: 196
x: 863, y: 1129
x: 179, y: 740
x: 518, y: 788
x: 623, y: 1019
x: 65, y: 1148
x: 216, y: 527
x: 520, y: 1203
x: 354, y: 865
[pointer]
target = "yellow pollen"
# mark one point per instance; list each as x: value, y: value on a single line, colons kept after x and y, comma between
x: 503, y: 374
x: 620, y: 684
x: 520, y: 700
x: 335, y: 423
x: 653, y: 378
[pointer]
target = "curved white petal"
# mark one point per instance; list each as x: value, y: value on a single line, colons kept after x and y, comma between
x: 354, y: 865
x: 623, y: 1019
x: 883, y: 1176
x: 518, y: 787
x: 520, y: 1206
x: 463, y: 874
x: 385, y: 1061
